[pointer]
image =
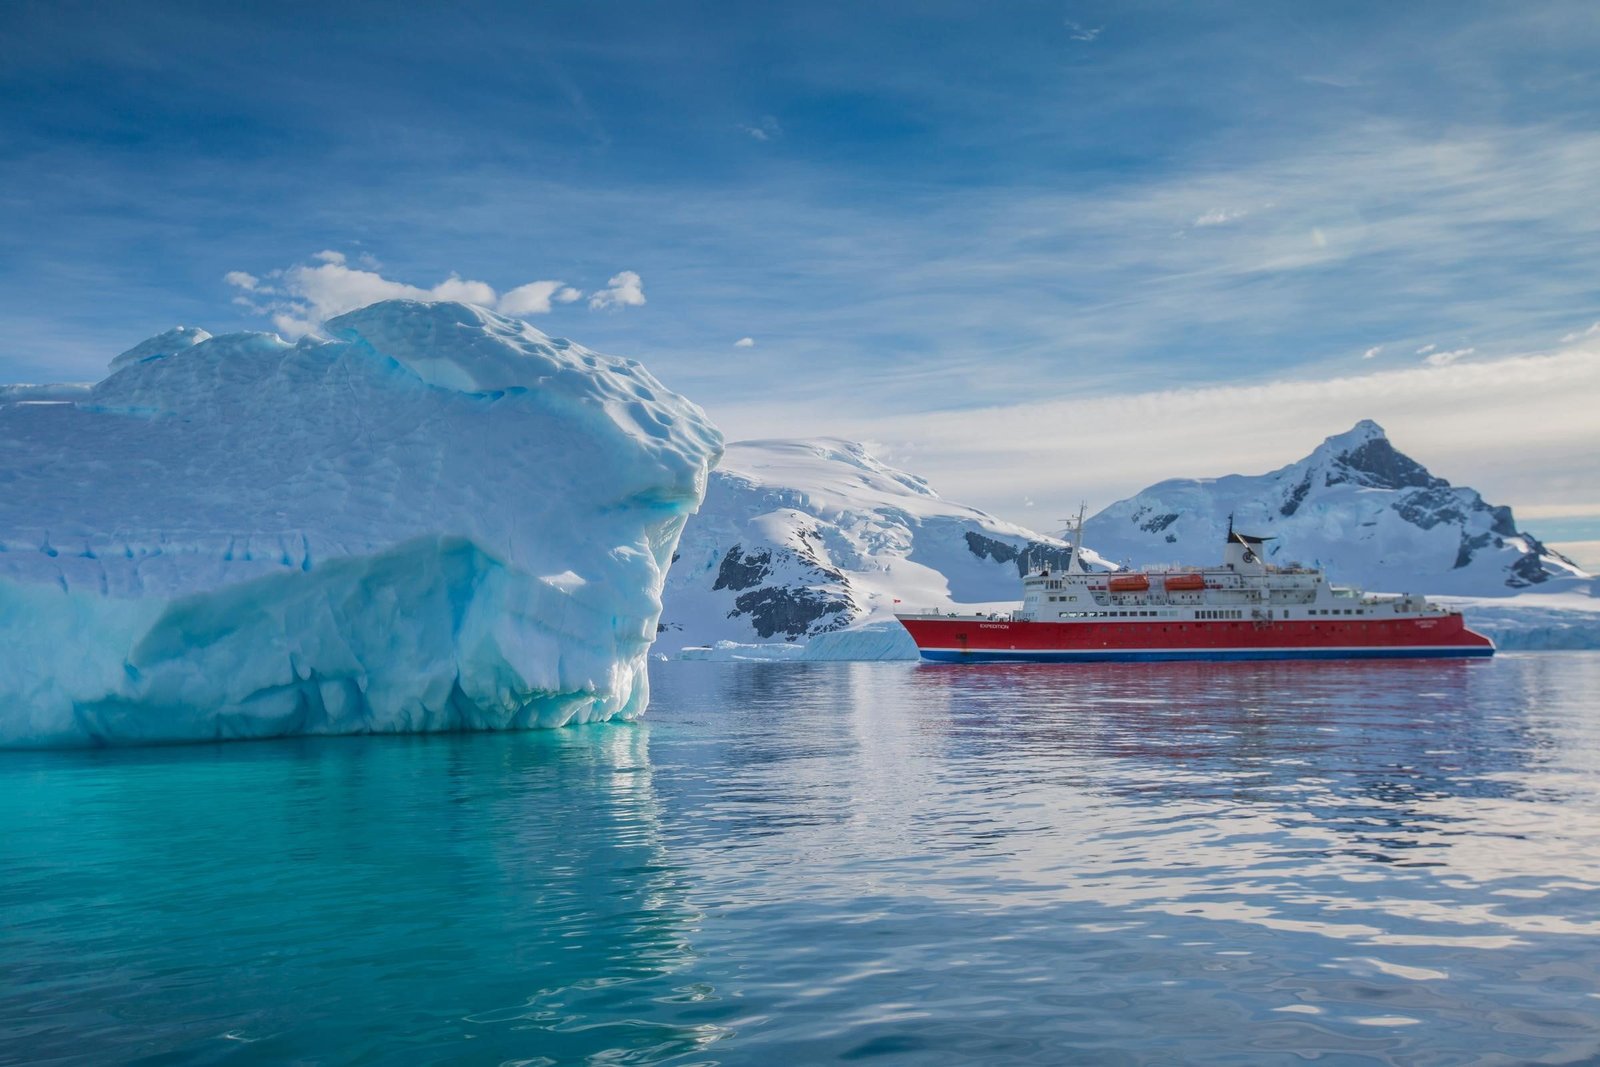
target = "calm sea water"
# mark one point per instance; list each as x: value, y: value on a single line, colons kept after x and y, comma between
x: 789, y: 863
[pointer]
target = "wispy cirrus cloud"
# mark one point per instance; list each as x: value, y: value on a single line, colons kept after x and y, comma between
x: 766, y: 129
x: 1444, y: 359
x: 1219, y: 217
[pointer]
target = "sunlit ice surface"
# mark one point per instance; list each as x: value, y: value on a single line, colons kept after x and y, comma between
x: 1117, y: 863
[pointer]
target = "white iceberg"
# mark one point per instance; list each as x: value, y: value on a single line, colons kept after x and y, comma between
x: 440, y: 519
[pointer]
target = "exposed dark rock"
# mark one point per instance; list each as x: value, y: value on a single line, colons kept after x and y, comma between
x: 1430, y: 507
x: 1529, y: 570
x: 742, y: 572
x: 1033, y: 554
x: 1377, y: 464
x: 1159, y: 523
x: 1469, y: 545
x: 1503, y: 524
x: 791, y: 611
x: 1296, y: 497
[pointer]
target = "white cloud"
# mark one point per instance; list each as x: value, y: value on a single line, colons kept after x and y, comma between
x: 1371, y: 352
x: 1425, y: 349
x: 534, y: 298
x: 1559, y: 511
x: 290, y: 326
x: 1578, y: 335
x: 1444, y: 359
x: 625, y: 289
x: 745, y: 342
x: 306, y: 295
x: 766, y: 130
x: 1521, y: 429
x: 467, y: 292
x: 1079, y: 32
x: 1218, y: 217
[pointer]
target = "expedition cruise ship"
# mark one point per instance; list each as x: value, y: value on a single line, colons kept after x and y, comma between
x: 1243, y: 609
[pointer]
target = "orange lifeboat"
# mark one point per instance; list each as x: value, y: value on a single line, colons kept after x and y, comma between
x: 1132, y: 583
x: 1185, y: 583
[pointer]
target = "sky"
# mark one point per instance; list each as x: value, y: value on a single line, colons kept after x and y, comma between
x: 1034, y: 252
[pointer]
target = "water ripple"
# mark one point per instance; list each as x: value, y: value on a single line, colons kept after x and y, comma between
x: 1241, y: 863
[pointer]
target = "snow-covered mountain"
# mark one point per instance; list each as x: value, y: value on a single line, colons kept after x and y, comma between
x: 804, y: 537
x: 1367, y: 513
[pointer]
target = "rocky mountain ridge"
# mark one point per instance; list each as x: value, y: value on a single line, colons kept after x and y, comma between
x: 1357, y: 507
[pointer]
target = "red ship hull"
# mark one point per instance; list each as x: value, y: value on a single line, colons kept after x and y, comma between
x: 966, y: 640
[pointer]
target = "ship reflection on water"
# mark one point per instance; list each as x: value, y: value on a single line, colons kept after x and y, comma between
x: 1380, y: 755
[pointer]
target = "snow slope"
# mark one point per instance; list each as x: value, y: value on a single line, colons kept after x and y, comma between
x: 440, y: 519
x: 799, y: 538
x: 1366, y: 513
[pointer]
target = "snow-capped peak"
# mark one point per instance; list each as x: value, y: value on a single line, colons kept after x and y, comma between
x: 1358, y: 507
x: 1363, y: 454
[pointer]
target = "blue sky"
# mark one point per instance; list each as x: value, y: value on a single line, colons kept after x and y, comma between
x: 923, y: 216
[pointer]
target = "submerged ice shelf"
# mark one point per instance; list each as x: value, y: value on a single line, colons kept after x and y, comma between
x: 438, y: 519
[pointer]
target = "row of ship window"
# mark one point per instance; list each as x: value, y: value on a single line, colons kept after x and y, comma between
x: 1217, y: 613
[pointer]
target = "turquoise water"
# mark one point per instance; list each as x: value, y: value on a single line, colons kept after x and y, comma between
x: 792, y: 863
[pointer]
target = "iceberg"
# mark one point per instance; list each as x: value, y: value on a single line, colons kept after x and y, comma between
x: 436, y: 518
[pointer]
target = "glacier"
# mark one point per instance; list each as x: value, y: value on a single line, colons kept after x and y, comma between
x: 434, y: 518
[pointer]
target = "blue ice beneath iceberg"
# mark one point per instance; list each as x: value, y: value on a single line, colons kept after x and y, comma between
x: 439, y: 519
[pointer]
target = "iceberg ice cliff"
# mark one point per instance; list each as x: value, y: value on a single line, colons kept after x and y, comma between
x: 439, y: 519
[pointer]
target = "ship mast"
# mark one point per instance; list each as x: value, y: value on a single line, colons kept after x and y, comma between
x: 1073, y: 565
